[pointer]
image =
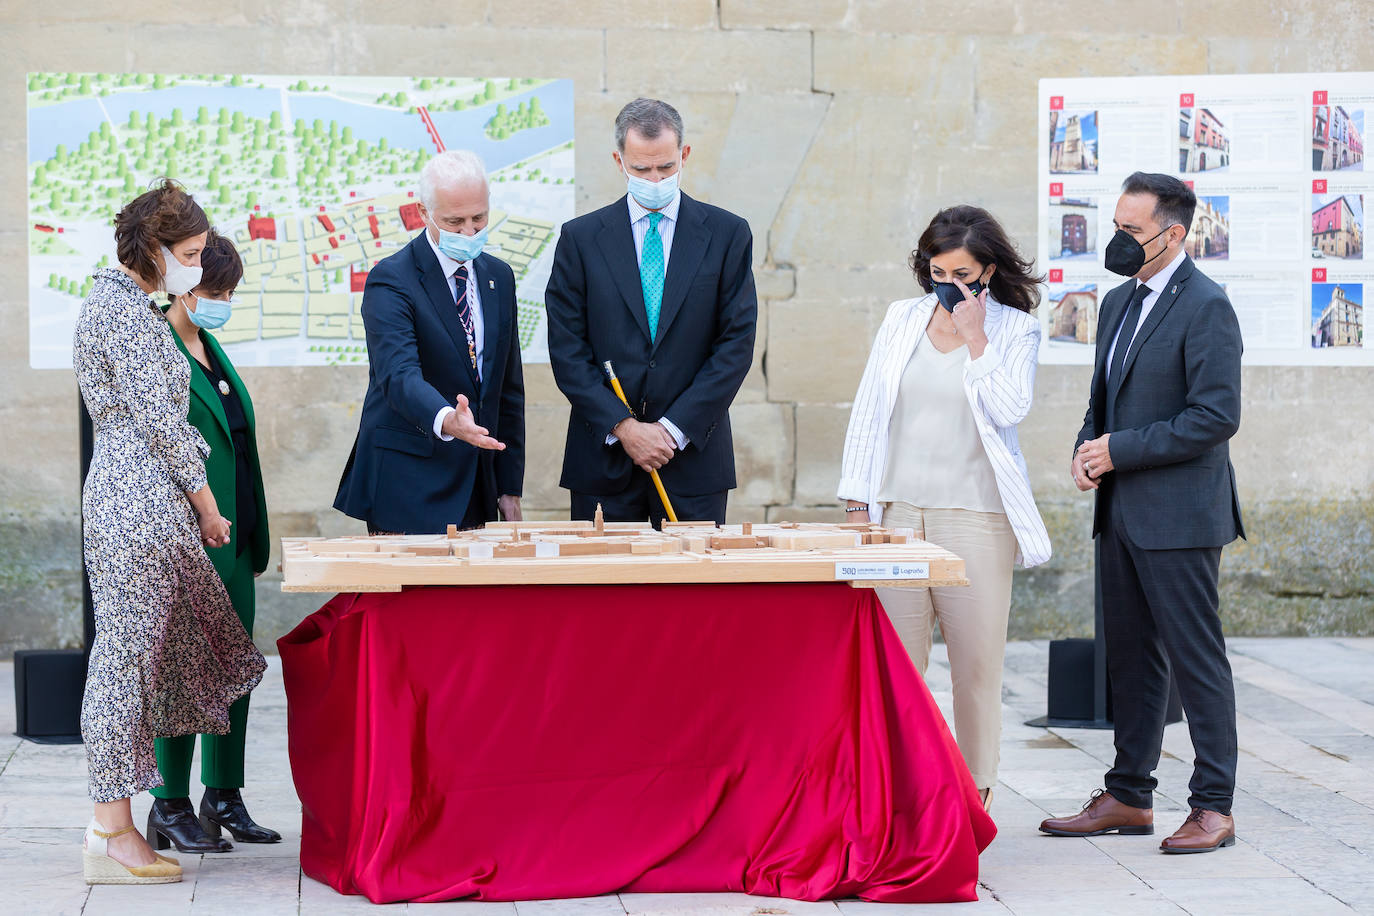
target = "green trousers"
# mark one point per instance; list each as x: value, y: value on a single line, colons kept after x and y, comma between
x: 221, y: 756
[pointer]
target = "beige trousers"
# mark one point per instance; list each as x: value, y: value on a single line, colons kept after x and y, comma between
x: 973, y: 621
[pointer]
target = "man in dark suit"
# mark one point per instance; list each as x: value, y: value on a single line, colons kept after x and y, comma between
x: 662, y: 286
x: 1165, y: 400
x: 441, y: 436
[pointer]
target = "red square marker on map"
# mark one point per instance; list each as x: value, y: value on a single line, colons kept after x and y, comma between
x: 321, y: 208
x: 326, y: 257
x: 1319, y: 97
x: 342, y: 237
x: 1319, y: 275
x: 257, y: 207
x: 369, y: 208
x: 352, y: 193
x: 1318, y: 185
x: 1188, y: 184
x: 60, y: 230
x: 1056, y: 189
x: 1056, y: 103
x: 379, y: 244
x: 410, y: 193
x: 1185, y: 100
x: 1057, y: 275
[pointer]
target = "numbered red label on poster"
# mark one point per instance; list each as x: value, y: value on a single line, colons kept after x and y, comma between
x: 1318, y: 185
x: 1319, y: 275
x: 1057, y: 275
x: 1319, y: 97
x: 1185, y: 100
x: 1056, y: 189
x: 1056, y: 103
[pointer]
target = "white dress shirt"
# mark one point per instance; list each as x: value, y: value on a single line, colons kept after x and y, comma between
x: 1157, y: 283
x: 450, y: 267
x: 639, y: 225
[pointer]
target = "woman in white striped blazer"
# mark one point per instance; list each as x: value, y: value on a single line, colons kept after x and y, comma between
x: 932, y: 446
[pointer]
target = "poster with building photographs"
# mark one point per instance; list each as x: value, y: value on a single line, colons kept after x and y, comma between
x: 1278, y: 165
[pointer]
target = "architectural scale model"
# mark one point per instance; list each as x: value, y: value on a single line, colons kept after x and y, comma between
x: 612, y: 553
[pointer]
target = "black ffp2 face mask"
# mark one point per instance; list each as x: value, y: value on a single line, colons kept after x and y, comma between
x: 1126, y: 256
x: 951, y: 295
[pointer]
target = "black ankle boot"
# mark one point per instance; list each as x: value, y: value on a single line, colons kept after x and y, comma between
x: 172, y: 822
x: 224, y: 808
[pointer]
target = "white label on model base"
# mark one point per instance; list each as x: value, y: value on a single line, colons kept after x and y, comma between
x: 882, y: 570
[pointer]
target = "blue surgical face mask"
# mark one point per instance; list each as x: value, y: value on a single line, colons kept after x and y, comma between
x: 209, y: 314
x: 652, y: 195
x: 462, y: 247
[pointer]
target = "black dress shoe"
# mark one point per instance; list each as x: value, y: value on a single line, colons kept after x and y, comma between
x: 172, y: 822
x: 224, y: 808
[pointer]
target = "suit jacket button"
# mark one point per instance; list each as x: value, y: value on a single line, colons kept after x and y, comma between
x: 652, y: 364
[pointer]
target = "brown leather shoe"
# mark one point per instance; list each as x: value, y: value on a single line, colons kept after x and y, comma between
x: 1102, y: 814
x: 1203, y: 831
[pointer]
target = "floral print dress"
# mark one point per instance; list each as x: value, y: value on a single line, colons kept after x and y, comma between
x: 170, y: 654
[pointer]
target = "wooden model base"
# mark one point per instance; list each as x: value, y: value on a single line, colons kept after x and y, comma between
x: 618, y: 553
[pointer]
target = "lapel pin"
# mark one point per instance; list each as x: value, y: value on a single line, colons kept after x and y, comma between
x: 1174, y: 291
x: 491, y: 284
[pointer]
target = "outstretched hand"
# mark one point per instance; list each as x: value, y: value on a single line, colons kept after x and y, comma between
x: 460, y: 425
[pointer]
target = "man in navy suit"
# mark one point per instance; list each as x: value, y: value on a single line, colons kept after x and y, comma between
x: 1164, y: 404
x: 442, y: 433
x: 662, y: 286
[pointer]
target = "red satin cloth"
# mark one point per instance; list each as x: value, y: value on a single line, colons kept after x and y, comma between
x: 526, y: 742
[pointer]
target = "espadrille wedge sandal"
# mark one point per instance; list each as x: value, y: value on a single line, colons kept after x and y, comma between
x: 101, y: 868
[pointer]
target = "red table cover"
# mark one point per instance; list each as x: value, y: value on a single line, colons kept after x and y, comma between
x: 527, y: 742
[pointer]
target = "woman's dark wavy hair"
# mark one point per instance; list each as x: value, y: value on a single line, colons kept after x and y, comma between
x: 165, y: 214
x: 220, y: 265
x: 974, y: 229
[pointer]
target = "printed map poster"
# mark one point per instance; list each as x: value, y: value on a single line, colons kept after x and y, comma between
x: 314, y: 177
x: 1278, y: 165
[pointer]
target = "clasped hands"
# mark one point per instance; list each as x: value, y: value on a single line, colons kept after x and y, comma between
x: 1090, y: 462
x: 214, y: 529
x: 649, y: 445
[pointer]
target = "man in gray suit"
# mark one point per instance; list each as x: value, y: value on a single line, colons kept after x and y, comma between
x: 1165, y: 400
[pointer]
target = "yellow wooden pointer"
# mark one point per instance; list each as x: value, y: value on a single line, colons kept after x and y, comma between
x: 658, y: 482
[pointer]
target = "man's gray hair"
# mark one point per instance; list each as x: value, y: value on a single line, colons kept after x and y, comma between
x: 647, y: 117
x: 450, y: 169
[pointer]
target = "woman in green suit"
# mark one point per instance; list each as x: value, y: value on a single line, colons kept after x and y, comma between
x: 223, y: 412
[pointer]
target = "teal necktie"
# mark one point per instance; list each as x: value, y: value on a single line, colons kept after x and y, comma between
x: 651, y: 273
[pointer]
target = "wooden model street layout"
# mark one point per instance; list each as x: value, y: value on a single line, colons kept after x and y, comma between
x: 620, y: 553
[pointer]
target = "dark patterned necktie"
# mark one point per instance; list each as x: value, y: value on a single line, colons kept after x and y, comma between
x: 462, y: 299
x: 1124, y: 337
x: 1127, y: 333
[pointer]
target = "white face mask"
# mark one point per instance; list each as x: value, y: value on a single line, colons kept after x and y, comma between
x: 177, y: 278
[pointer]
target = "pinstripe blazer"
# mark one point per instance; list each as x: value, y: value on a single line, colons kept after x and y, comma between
x: 999, y: 386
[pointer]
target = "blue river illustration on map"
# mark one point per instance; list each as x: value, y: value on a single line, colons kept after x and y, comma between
x: 71, y: 123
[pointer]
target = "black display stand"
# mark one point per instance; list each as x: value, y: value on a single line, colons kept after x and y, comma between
x: 1080, y: 693
x: 49, y: 683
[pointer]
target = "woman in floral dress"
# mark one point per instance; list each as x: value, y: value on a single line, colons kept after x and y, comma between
x: 170, y: 655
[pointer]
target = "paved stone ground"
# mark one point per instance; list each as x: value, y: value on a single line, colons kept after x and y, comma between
x: 1305, y: 812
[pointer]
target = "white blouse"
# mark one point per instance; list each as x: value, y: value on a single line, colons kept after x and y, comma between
x: 998, y: 386
x: 948, y: 470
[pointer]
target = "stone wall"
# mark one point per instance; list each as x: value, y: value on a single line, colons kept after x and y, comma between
x: 836, y: 127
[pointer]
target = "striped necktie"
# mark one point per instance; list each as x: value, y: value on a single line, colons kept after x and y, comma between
x: 462, y: 299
